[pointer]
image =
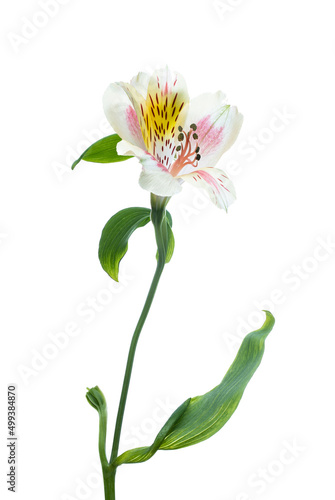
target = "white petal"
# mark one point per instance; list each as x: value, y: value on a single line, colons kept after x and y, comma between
x: 204, y: 104
x: 218, y: 126
x: 121, y: 115
x: 154, y: 176
x: 215, y: 182
x: 140, y: 82
x: 128, y: 149
x: 164, y: 82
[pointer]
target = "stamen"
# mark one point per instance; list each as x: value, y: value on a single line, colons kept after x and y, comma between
x: 186, y: 156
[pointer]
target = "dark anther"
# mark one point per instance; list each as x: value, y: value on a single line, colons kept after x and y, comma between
x: 193, y: 127
x: 197, y: 150
x: 195, y: 136
x: 180, y: 128
x: 178, y: 148
x: 180, y: 137
x: 198, y: 157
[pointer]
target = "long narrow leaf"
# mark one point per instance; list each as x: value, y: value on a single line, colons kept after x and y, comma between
x: 205, y: 415
x: 143, y: 454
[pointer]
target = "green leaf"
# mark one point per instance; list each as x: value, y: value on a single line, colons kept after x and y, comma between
x: 171, y: 240
x: 171, y: 244
x: 205, y: 415
x: 142, y: 454
x: 115, y: 235
x: 169, y: 217
x: 103, y: 151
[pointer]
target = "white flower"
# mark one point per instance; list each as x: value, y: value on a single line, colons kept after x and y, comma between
x: 175, y: 139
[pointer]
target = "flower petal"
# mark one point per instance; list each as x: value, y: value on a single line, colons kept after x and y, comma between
x: 161, y: 111
x: 121, y: 115
x: 128, y: 149
x: 166, y: 109
x: 218, y: 126
x: 154, y: 177
x: 215, y: 182
x: 140, y: 82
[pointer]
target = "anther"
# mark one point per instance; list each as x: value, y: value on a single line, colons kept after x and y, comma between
x: 180, y: 137
x: 197, y: 150
x: 193, y: 127
x: 198, y: 157
x: 178, y: 148
x: 180, y: 128
x: 195, y: 136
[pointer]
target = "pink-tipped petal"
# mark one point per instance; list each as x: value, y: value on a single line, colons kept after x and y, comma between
x: 138, y: 102
x: 216, y: 183
x: 121, y: 115
x: 218, y: 126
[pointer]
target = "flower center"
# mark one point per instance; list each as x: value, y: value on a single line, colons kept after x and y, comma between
x: 188, y: 150
x: 159, y: 116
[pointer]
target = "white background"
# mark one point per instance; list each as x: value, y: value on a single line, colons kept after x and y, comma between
x: 271, y: 59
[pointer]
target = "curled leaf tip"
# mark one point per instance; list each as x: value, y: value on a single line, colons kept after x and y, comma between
x: 269, y: 320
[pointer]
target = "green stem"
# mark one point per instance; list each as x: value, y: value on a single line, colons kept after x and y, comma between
x: 130, y: 361
x: 109, y: 482
x: 102, y: 435
x: 159, y: 222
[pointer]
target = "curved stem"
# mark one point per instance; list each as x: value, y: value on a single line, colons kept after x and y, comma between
x: 102, y: 437
x: 159, y: 222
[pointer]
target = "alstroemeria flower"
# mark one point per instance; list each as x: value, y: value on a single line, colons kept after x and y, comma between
x: 175, y: 139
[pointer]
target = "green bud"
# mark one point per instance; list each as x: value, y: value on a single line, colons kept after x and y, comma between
x: 96, y: 399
